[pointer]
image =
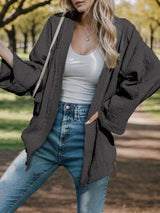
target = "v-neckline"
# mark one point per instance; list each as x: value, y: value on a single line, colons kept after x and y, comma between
x: 86, y: 55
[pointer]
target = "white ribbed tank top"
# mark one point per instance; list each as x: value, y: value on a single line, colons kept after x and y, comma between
x: 81, y: 74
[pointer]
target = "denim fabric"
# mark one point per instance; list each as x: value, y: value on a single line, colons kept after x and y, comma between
x: 63, y: 147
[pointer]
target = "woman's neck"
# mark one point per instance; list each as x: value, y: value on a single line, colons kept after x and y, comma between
x: 83, y: 19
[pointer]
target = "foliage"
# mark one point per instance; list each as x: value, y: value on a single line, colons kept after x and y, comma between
x: 10, y: 10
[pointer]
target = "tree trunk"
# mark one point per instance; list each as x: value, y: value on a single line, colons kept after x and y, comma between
x: 25, y: 34
x: 33, y: 33
x: 12, y: 38
x: 12, y: 9
x: 151, y: 36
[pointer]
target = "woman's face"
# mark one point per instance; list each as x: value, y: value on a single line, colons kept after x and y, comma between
x: 82, y: 5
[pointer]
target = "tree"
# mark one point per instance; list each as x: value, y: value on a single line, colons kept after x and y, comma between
x: 150, y: 13
x: 25, y: 32
x: 11, y: 9
x: 158, y: 2
x: 31, y: 24
x: 12, y: 37
x: 145, y: 14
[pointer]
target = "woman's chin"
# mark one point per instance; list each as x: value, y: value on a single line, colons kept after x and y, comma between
x: 81, y: 9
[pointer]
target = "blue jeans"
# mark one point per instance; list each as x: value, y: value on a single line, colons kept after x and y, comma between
x: 64, y: 146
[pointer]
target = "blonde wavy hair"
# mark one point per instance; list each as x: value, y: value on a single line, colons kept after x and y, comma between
x: 102, y: 23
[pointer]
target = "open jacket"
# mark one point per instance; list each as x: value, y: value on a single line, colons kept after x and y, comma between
x: 119, y: 91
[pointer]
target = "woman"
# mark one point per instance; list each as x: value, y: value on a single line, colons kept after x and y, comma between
x: 82, y: 103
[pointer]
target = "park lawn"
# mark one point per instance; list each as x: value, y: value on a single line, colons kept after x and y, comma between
x: 15, y: 114
x: 152, y: 105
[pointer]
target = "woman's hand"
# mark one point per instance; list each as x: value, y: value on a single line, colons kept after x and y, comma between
x: 6, y: 54
x: 94, y: 117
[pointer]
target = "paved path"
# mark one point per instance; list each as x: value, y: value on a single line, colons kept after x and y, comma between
x: 133, y: 188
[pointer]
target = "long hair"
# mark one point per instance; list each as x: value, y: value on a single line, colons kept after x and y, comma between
x: 102, y: 23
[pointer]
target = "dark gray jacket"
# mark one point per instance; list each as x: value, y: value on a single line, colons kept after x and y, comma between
x: 119, y: 91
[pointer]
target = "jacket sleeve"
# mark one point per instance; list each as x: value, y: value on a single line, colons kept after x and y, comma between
x: 139, y: 78
x: 24, y: 74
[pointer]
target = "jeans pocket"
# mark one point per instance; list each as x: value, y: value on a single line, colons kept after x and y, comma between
x: 82, y: 115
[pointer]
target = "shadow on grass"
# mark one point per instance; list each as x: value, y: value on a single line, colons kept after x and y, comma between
x: 13, y: 125
x: 18, y: 105
x: 12, y: 122
x: 148, y: 127
x: 13, y: 146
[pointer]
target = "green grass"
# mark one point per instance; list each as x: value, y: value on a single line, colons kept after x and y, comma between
x: 152, y: 105
x: 15, y: 114
x: 24, y: 56
x: 12, y: 145
x: 157, y: 52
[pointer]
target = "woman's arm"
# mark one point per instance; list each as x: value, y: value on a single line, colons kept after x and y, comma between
x: 19, y: 76
x: 6, y: 54
x: 140, y: 78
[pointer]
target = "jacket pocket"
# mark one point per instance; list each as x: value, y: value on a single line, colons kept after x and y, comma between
x: 82, y: 115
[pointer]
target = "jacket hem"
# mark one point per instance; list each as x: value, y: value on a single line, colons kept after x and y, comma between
x: 96, y: 173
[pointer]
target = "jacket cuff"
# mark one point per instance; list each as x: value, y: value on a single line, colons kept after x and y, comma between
x: 25, y: 72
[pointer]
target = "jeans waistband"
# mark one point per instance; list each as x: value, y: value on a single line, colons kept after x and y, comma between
x: 63, y: 106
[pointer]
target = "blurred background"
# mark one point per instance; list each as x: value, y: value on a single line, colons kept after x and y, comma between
x: 134, y: 186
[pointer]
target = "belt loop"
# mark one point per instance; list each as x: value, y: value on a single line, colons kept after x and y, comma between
x: 76, y: 113
x: 64, y: 107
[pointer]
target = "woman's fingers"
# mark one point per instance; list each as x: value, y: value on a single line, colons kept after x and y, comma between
x: 95, y: 116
